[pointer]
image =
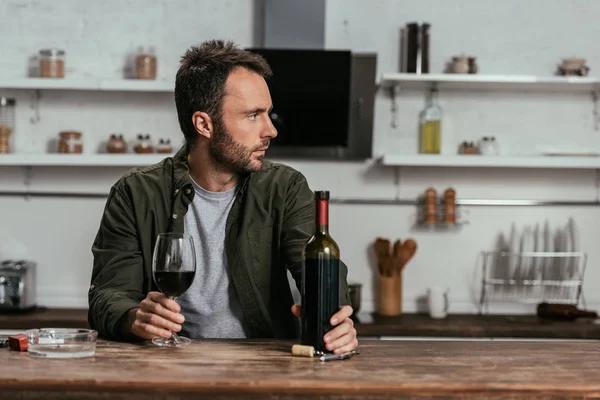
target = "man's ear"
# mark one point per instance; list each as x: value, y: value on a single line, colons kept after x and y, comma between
x: 203, y: 124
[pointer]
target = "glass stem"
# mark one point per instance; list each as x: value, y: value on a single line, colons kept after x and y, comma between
x: 174, y: 336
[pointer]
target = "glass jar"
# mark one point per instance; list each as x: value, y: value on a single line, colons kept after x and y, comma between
x: 164, y: 146
x: 70, y: 142
x: 52, y: 63
x: 143, y: 145
x: 7, y: 122
x: 145, y: 64
x: 116, y: 144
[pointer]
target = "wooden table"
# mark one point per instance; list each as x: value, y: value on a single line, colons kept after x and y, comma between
x: 266, y: 369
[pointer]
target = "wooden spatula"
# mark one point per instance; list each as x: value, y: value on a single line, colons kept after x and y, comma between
x: 409, y: 248
x: 382, y: 252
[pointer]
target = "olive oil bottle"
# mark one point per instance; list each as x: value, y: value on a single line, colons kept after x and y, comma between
x: 431, y: 126
x: 320, y: 278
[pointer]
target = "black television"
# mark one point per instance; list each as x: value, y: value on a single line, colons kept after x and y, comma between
x: 323, y: 103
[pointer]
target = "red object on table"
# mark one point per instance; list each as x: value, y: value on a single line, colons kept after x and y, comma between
x: 18, y: 342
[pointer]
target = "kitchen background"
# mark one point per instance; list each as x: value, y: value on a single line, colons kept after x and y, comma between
x: 509, y: 37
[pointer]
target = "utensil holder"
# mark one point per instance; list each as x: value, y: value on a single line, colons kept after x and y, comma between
x: 389, y: 295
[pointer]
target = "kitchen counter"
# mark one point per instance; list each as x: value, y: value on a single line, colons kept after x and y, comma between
x: 409, y: 325
x: 45, y: 318
x: 477, y: 326
x: 265, y: 369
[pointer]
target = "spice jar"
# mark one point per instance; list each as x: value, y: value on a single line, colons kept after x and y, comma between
x: 144, y: 145
x: 145, y: 64
x: 460, y: 64
x: 7, y: 122
x: 52, y: 63
x: 473, y: 68
x: 450, y: 206
x: 468, y: 148
x: 164, y: 146
x: 430, y: 214
x: 116, y: 144
x: 70, y: 142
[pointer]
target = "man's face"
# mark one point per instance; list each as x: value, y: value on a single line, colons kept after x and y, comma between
x: 244, y: 130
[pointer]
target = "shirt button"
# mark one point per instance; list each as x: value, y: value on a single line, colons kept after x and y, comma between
x: 188, y: 191
x: 174, y: 216
x: 176, y: 191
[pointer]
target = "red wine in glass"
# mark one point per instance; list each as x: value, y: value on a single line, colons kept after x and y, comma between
x: 174, y: 284
x: 174, y: 269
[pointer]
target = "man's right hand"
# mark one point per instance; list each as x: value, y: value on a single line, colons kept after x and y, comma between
x: 157, y: 316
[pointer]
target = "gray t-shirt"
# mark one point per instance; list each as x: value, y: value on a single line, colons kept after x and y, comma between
x: 211, y: 305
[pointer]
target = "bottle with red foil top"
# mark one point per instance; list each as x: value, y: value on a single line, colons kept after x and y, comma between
x: 320, y: 278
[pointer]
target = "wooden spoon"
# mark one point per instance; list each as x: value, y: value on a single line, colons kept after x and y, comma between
x: 382, y: 251
x: 409, y: 248
x: 397, y: 258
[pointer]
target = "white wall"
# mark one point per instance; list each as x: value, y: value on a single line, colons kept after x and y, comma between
x: 507, y: 37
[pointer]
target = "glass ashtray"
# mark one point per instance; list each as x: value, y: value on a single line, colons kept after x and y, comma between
x: 61, y: 342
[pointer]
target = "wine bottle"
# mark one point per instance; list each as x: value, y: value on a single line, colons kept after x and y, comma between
x: 567, y: 312
x: 320, y: 278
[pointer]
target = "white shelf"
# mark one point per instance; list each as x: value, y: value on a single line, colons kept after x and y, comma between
x: 496, y: 82
x: 123, y: 85
x: 80, y: 160
x: 427, y: 160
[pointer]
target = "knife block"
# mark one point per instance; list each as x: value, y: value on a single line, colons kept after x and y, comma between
x: 389, y: 295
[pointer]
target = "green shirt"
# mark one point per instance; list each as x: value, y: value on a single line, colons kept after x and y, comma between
x: 271, y: 220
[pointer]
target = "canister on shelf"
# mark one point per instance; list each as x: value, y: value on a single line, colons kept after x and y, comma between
x: 145, y: 64
x: 415, y: 48
x: 144, y: 144
x: 52, y: 63
x: 70, y: 142
x: 164, y: 146
x: 7, y: 122
x: 116, y: 144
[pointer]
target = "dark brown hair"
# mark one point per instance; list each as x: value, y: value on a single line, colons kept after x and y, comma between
x: 200, y: 81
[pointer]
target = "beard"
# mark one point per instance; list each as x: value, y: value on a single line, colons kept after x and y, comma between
x: 232, y: 154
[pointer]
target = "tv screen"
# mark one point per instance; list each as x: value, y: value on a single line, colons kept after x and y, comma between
x: 310, y: 90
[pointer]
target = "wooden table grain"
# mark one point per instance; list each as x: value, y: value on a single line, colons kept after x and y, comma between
x: 240, y: 369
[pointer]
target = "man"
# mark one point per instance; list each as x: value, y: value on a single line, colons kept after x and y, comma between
x: 249, y: 218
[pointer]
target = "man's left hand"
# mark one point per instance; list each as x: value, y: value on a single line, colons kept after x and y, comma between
x: 342, y: 338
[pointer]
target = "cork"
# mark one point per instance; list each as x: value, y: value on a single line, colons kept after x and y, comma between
x: 303, y: 351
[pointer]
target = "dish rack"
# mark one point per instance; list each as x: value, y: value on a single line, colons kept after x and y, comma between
x: 532, y: 277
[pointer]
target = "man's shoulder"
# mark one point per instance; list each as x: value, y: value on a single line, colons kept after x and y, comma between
x: 276, y: 173
x: 148, y: 177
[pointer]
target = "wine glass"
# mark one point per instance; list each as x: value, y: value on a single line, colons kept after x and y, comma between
x: 174, y: 268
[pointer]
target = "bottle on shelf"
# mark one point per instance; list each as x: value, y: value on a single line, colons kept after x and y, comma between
x: 567, y: 312
x: 431, y: 125
x: 320, y: 278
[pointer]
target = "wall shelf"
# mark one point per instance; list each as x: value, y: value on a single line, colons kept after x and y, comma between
x: 400, y: 160
x: 490, y: 82
x: 479, y: 161
x: 80, y: 160
x: 114, y: 85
